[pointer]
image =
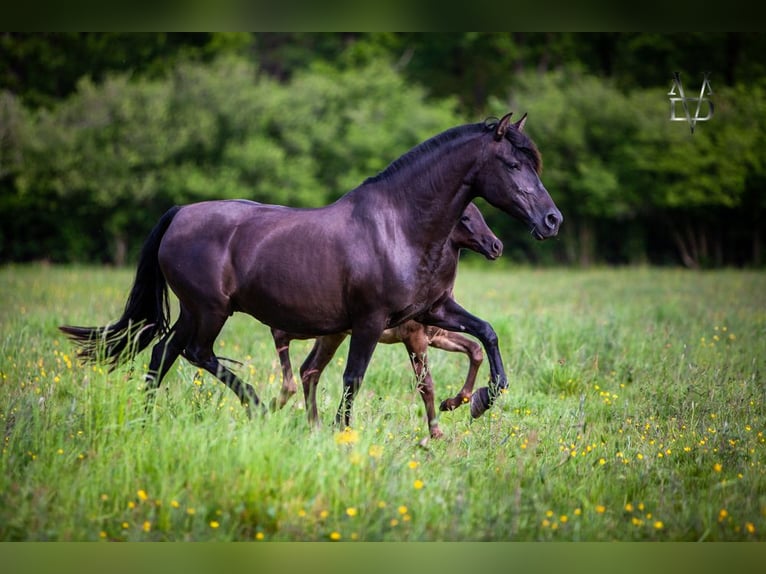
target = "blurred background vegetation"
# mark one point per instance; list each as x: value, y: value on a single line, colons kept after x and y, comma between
x: 101, y: 133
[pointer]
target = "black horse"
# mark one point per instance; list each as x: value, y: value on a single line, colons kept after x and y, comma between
x: 471, y: 232
x: 364, y: 263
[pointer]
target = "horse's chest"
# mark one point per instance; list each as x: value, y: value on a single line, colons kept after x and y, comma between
x: 414, y: 296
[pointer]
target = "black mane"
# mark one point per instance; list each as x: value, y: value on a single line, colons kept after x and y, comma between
x: 520, y: 141
x: 425, y: 148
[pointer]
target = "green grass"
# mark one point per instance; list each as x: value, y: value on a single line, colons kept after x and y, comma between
x: 635, y: 411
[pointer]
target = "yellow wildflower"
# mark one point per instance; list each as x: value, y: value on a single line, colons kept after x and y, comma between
x: 346, y: 436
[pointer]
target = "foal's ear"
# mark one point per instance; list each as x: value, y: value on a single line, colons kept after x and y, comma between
x: 502, y: 126
x: 520, y: 124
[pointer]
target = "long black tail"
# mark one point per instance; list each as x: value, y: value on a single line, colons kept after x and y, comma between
x: 146, y: 313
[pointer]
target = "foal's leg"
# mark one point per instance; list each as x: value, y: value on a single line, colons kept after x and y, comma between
x: 417, y: 346
x: 200, y: 353
x: 451, y: 316
x: 457, y: 343
x: 318, y: 358
x: 289, y: 388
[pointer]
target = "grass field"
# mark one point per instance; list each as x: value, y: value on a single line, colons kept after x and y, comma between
x: 635, y: 411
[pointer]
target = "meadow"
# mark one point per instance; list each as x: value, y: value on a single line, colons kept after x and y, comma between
x: 635, y: 412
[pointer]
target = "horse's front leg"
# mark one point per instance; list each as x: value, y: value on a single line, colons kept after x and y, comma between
x: 449, y: 315
x: 318, y: 358
x: 364, y: 338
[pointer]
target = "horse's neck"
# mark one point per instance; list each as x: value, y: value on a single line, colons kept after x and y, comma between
x: 433, y: 198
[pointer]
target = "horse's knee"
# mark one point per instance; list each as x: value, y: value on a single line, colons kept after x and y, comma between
x: 476, y: 354
x: 490, y: 336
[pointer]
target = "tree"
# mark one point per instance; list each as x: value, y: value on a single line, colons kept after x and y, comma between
x: 695, y: 183
x: 584, y: 128
x: 43, y: 68
x: 116, y: 154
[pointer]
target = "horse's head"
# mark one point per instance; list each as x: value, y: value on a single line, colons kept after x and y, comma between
x: 472, y: 232
x: 509, y: 178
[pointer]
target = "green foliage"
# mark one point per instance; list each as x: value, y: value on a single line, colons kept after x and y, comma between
x: 611, y: 156
x: 97, y: 143
x: 584, y: 126
x: 131, y: 148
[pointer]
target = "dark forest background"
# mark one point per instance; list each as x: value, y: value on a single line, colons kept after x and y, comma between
x: 101, y: 133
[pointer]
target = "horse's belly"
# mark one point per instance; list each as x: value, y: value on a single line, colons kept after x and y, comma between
x: 294, y: 308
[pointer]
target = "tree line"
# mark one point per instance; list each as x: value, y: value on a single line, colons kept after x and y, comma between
x: 101, y: 133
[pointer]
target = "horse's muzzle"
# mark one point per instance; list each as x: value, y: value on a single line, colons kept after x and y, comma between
x: 549, y: 227
x: 496, y: 250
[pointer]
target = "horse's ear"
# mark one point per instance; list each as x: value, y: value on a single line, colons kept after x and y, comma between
x: 520, y: 124
x: 502, y: 126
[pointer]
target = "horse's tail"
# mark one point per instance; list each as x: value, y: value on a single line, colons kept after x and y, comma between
x: 146, y: 313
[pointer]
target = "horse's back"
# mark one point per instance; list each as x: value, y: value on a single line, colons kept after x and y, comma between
x: 285, y: 266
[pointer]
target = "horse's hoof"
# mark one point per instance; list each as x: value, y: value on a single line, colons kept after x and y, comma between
x: 480, y: 402
x: 259, y: 409
x: 446, y: 405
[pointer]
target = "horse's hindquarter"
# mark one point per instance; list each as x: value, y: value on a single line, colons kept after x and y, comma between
x: 194, y: 255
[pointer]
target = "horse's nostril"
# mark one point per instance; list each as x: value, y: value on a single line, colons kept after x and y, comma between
x: 553, y: 219
x: 497, y: 247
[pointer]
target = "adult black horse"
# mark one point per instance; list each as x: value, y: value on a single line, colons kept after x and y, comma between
x: 471, y: 232
x: 363, y: 263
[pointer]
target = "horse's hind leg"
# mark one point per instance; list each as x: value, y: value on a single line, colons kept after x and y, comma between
x: 457, y: 343
x: 244, y: 391
x: 200, y: 353
x: 164, y: 354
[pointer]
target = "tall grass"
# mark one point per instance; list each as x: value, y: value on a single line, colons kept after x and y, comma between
x: 635, y: 411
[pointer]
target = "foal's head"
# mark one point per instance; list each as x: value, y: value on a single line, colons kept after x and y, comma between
x: 472, y: 232
x: 509, y: 178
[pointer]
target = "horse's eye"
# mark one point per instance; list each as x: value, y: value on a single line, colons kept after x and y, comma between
x: 510, y: 164
x: 464, y: 218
